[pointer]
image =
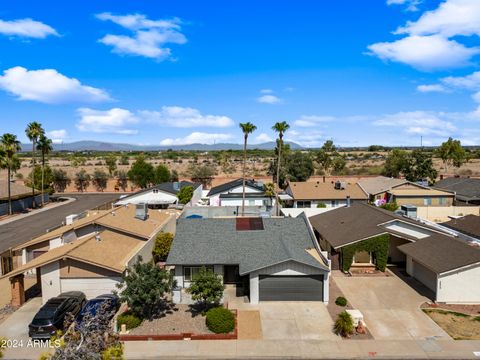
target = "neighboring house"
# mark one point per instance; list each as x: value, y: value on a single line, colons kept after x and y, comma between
x: 468, y: 225
x: 331, y: 194
x: 162, y: 195
x: 231, y: 194
x: 21, y: 196
x: 362, y: 234
x: 90, y: 255
x: 467, y: 190
x: 198, y: 212
x: 270, y: 259
x: 383, y: 189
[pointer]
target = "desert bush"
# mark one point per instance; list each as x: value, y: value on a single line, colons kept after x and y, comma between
x: 341, y: 301
x: 129, y: 319
x: 220, y: 320
x: 344, y: 324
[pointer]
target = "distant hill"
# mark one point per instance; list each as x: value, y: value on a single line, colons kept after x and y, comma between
x: 89, y: 145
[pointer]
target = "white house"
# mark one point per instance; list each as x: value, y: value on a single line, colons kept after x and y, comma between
x: 231, y: 194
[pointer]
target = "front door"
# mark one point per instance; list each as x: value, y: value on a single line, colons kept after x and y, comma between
x: 231, y: 274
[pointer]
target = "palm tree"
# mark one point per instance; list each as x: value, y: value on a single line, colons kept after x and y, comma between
x: 280, y: 128
x: 45, y: 147
x: 33, y: 131
x: 247, y: 128
x: 9, y: 145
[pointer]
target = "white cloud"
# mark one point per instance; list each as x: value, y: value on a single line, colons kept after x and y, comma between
x: 262, y: 138
x: 451, y: 18
x: 312, y: 120
x: 431, y: 88
x: 471, y: 82
x: 425, y: 53
x: 48, y: 86
x: 419, y: 122
x: 266, y: 91
x: 412, y: 5
x: 114, y: 121
x: 269, y: 99
x: 58, y: 136
x: 149, y: 37
x: 197, y: 138
x: 185, y: 117
x: 26, y: 28
x: 308, y: 139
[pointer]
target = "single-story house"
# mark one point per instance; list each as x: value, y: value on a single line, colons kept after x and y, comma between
x: 231, y: 194
x: 21, y: 197
x: 162, y: 195
x: 363, y: 235
x: 92, y: 257
x: 467, y: 190
x: 270, y: 259
x: 311, y: 194
x: 383, y: 189
x: 468, y: 225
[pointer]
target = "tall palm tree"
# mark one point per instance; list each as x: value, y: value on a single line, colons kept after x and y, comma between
x: 33, y: 131
x: 247, y: 128
x: 9, y: 145
x: 280, y: 128
x: 45, y: 147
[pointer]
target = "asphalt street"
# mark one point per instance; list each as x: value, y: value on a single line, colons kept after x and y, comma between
x: 24, y: 229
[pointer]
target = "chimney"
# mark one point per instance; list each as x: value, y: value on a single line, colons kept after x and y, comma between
x: 141, y: 211
x: 348, y: 201
x: 441, y: 176
x: 324, y: 178
x: 97, y: 237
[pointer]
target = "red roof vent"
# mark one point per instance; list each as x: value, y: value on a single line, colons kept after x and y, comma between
x: 244, y: 224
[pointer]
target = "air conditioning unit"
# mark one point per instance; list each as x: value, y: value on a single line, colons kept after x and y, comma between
x: 340, y: 185
x: 141, y: 211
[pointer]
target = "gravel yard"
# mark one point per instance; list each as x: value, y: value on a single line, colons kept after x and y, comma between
x: 181, y: 319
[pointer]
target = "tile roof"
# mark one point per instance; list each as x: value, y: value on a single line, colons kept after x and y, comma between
x: 466, y: 189
x: 17, y: 190
x: 233, y: 184
x: 324, y: 191
x: 216, y: 241
x: 379, y: 184
x: 442, y: 253
x: 469, y: 225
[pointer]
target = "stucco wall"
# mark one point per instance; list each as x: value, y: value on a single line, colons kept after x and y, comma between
x: 50, y: 275
x: 462, y: 286
x: 442, y: 213
x: 419, y: 201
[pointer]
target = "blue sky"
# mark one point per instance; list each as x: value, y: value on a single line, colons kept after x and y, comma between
x: 177, y: 72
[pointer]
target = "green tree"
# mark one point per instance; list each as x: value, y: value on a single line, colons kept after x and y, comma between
x: 203, y: 174
x: 162, y: 174
x: 45, y: 146
x: 33, y: 131
x: 122, y: 179
x: 420, y: 166
x: 36, y: 176
x: 299, y: 166
x: 162, y: 246
x: 185, y: 195
x: 82, y: 180
x: 144, y: 287
x: 330, y: 159
x: 206, y: 287
x: 174, y: 175
x: 9, y: 146
x: 142, y: 173
x: 100, y: 179
x: 280, y: 128
x: 452, y: 153
x: 272, y: 170
x: 395, y: 163
x: 124, y: 159
x: 60, y: 180
x: 247, y: 129
x: 111, y: 162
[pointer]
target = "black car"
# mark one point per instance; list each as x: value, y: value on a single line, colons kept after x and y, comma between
x: 51, y: 316
x: 110, y: 302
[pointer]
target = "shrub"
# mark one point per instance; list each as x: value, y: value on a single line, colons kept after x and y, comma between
x: 114, y: 352
x: 344, y: 324
x: 390, y: 206
x: 341, y: 301
x: 129, y: 319
x: 321, y: 205
x: 163, y: 243
x: 220, y: 320
x: 206, y: 287
x: 2, y: 346
x: 185, y: 195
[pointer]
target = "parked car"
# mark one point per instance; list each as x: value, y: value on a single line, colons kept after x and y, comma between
x: 109, y: 301
x: 51, y: 316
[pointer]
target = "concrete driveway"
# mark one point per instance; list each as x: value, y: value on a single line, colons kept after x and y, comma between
x: 15, y: 328
x: 296, y: 320
x: 390, y: 307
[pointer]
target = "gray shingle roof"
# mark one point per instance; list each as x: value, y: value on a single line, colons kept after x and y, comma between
x: 466, y: 189
x: 168, y: 187
x: 469, y: 225
x: 233, y: 184
x: 216, y: 241
x: 442, y: 253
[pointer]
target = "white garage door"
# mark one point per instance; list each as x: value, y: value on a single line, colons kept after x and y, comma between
x: 425, y: 276
x: 92, y: 287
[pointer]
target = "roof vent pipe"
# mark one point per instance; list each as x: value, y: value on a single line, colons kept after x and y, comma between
x: 348, y: 201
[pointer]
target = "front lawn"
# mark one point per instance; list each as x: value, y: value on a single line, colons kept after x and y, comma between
x: 458, y: 325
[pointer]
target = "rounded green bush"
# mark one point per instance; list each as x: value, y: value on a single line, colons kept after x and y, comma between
x: 341, y: 301
x: 220, y: 320
x: 129, y: 319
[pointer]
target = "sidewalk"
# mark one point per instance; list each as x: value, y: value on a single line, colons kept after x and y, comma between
x: 34, y: 212
x: 303, y: 349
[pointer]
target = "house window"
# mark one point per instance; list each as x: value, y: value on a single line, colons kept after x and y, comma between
x: 334, y: 203
x: 442, y: 201
x: 190, y: 271
x: 427, y: 201
x: 304, y: 204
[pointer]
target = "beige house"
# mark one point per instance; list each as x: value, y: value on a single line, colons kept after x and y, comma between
x: 91, y: 254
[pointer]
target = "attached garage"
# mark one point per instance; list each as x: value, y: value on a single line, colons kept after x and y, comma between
x: 92, y: 287
x: 424, y: 275
x: 291, y: 288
